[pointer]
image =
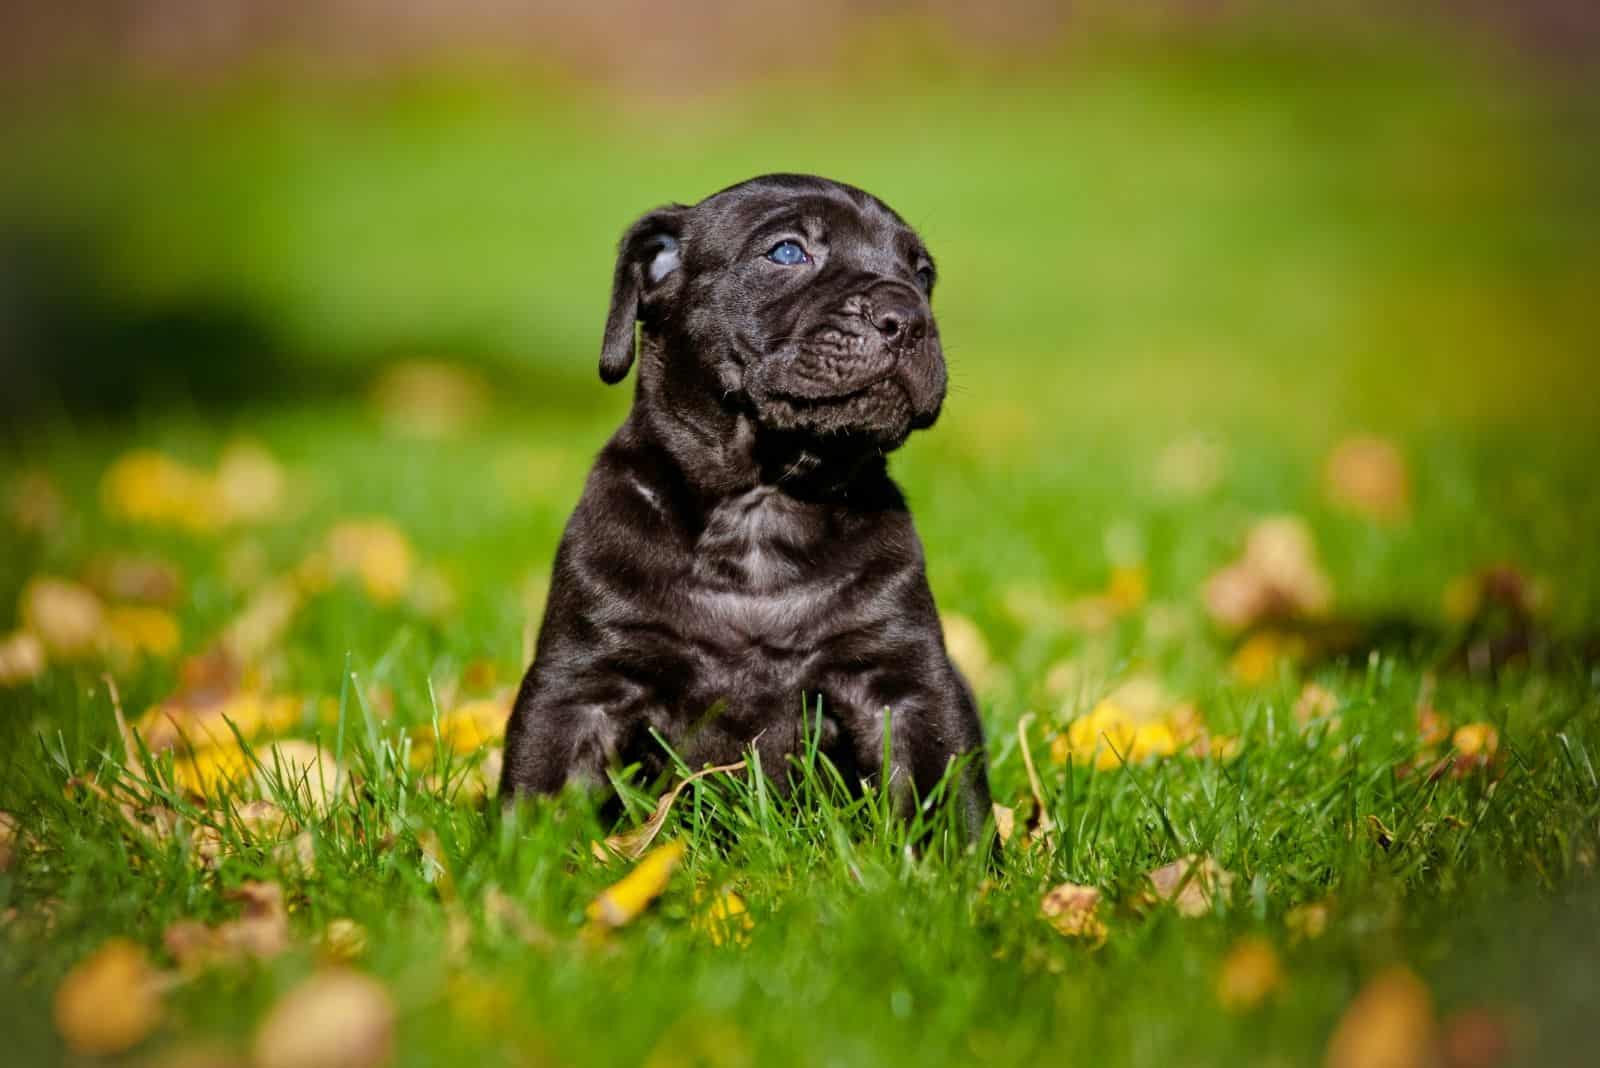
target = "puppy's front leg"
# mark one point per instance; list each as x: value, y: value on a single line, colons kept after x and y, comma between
x: 560, y: 734
x: 924, y: 728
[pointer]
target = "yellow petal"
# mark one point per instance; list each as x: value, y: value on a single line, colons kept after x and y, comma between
x: 626, y: 899
x: 109, y: 1002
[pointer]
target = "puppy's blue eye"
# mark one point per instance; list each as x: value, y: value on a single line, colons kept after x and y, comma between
x: 788, y: 253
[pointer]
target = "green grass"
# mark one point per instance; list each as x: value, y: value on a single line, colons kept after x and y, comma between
x: 1149, y: 249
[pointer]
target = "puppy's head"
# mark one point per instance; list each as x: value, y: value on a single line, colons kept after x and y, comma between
x: 799, y: 300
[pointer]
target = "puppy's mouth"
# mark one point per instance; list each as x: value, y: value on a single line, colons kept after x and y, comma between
x: 831, y: 367
x: 840, y: 393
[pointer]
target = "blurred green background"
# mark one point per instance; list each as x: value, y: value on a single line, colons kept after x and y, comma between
x: 1185, y: 248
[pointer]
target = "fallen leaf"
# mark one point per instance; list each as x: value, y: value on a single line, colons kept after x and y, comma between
x: 1278, y: 578
x: 374, y: 551
x: 22, y: 658
x: 135, y: 631
x: 334, y: 1019
x: 1368, y: 475
x: 250, y: 483
x: 1249, y: 975
x: 109, y: 1002
x: 1389, y: 1024
x: 624, y: 900
x: 630, y: 845
x: 1476, y: 739
x: 68, y: 618
x: 145, y: 486
x: 343, y: 940
x: 1073, y: 911
x: 1005, y: 822
x: 725, y: 918
x: 1307, y: 922
x: 1263, y: 655
x: 194, y: 727
x: 464, y: 729
x: 1191, y: 883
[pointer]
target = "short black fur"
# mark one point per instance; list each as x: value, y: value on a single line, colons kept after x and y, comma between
x: 739, y: 545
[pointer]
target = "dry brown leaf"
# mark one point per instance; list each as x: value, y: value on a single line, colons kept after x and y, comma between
x: 109, y: 1002
x: 1368, y: 475
x: 630, y: 845
x: 1005, y: 821
x: 1073, y: 911
x: 334, y: 1019
x: 256, y: 630
x: 1190, y: 884
x: 620, y: 903
x: 1277, y: 578
x: 22, y: 658
x: 1315, y: 703
x: 1389, y: 1024
x: 260, y: 933
x: 1249, y: 975
x: 68, y: 618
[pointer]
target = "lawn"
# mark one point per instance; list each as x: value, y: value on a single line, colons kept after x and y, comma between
x: 1176, y: 287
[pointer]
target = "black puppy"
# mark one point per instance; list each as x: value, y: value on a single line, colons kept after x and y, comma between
x: 740, y: 548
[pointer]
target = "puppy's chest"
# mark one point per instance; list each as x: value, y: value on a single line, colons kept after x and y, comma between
x: 764, y: 569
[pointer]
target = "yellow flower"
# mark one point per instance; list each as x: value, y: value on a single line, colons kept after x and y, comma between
x: 1258, y: 659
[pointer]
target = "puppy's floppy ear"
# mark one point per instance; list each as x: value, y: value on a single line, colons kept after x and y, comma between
x: 648, y: 261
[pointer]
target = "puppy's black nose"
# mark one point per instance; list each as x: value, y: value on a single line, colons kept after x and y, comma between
x: 898, y: 318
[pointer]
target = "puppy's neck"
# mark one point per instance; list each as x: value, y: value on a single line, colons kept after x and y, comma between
x: 701, y: 423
